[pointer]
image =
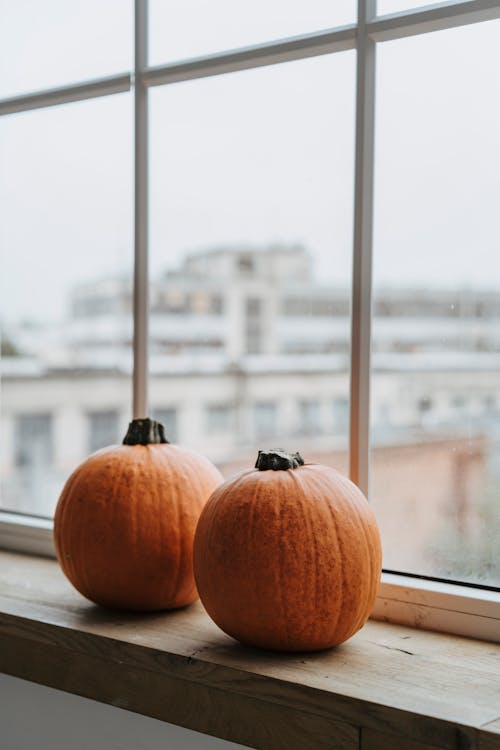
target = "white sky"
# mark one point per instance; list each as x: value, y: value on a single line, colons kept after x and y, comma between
x: 257, y: 156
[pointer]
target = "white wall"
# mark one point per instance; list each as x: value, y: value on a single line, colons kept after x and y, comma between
x: 33, y: 717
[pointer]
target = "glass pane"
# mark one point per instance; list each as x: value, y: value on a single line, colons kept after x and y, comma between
x: 436, y: 384
x: 180, y: 29
x: 251, y: 234
x: 46, y: 44
x: 65, y: 290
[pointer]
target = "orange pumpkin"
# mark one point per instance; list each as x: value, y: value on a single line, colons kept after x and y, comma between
x: 125, y: 522
x: 287, y: 556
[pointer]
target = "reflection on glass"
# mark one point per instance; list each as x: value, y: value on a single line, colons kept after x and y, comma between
x: 251, y: 234
x: 65, y: 291
x: 435, y: 386
x: 59, y: 42
x: 181, y: 28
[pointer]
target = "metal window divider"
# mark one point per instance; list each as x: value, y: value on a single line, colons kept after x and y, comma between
x: 359, y: 432
x: 141, y: 213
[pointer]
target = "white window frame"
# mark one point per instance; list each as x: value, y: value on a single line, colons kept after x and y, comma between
x: 410, y: 600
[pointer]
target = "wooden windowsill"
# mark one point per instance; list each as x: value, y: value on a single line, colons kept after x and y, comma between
x: 389, y: 687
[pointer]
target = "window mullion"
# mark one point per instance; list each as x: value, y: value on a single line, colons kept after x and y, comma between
x: 246, y: 58
x: 141, y: 138
x: 433, y: 18
x: 359, y: 443
x: 66, y: 94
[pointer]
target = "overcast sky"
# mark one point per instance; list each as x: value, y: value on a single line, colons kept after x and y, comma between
x: 253, y: 157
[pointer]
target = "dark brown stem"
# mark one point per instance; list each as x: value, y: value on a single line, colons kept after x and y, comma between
x: 278, y: 460
x: 144, y: 432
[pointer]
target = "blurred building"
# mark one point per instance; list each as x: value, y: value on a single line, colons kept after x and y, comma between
x: 249, y: 350
x: 239, y: 301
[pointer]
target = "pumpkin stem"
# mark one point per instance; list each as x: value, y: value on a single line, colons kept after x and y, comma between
x: 277, y: 460
x: 144, y: 432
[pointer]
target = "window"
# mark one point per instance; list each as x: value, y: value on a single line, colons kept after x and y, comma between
x: 265, y: 418
x: 33, y: 440
x: 309, y: 417
x: 433, y: 176
x: 103, y: 429
x: 216, y: 304
x: 220, y: 418
x: 272, y: 213
x: 254, y: 325
x: 424, y: 405
x: 168, y: 418
x: 64, y: 274
x: 33, y: 454
x: 341, y: 415
x: 245, y: 263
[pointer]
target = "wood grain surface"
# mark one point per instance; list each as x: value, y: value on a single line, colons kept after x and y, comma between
x: 489, y: 736
x: 389, y: 686
x: 372, y: 740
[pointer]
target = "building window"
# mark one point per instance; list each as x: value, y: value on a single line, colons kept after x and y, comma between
x: 245, y: 263
x: 424, y: 405
x: 216, y: 304
x: 33, y: 446
x: 341, y: 415
x: 489, y: 402
x: 220, y: 418
x: 265, y: 419
x: 253, y: 307
x: 309, y: 416
x: 253, y: 325
x: 168, y: 418
x: 103, y: 429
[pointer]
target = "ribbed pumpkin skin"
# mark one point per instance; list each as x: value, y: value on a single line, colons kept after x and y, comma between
x: 125, y: 522
x: 288, y: 560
